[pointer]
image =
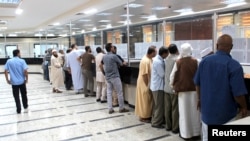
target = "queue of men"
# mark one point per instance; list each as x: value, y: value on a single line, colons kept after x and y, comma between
x: 175, y: 91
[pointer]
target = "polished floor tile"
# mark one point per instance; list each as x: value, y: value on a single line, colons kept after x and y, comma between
x: 68, y: 116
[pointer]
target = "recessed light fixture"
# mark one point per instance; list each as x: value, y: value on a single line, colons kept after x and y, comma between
x: 152, y: 18
x: 56, y: 24
x: 12, y: 35
x: 94, y: 29
x: 50, y: 35
x: 104, y: 21
x: 84, y: 20
x: 63, y: 35
x: 231, y: 1
x: 73, y: 33
x: 125, y: 15
x: 159, y: 8
x: 185, y: 11
x: 133, y: 5
x: 125, y: 22
x: 19, y: 11
x: 88, y: 25
x: 90, y: 11
x: 83, y: 31
x: 38, y: 35
x: 104, y: 14
x: 109, y: 26
x: 1, y: 35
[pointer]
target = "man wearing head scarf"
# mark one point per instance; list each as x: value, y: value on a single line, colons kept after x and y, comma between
x: 56, y: 72
x: 220, y: 87
x: 181, y: 78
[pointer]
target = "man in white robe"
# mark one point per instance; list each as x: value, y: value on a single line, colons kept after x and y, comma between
x: 56, y: 72
x: 74, y: 66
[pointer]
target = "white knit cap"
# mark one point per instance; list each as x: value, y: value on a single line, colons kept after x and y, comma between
x: 54, y: 50
x: 206, y: 51
x: 186, y: 50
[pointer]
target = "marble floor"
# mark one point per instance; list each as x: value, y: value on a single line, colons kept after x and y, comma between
x: 68, y: 116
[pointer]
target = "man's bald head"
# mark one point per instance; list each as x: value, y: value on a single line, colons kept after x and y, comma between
x: 225, y: 43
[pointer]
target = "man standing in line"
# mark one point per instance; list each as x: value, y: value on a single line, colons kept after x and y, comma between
x: 75, y: 68
x: 144, y: 99
x: 67, y: 75
x: 87, y: 59
x: 48, y: 59
x: 101, y: 86
x: 171, y: 98
x: 220, y: 87
x: 56, y: 72
x: 114, y: 94
x: 18, y: 70
x: 110, y: 69
x: 157, y: 87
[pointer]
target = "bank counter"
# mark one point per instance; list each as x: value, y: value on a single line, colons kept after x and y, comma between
x: 34, y: 64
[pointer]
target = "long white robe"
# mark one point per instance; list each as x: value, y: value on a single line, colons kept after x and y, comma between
x: 75, y: 68
x: 56, y: 73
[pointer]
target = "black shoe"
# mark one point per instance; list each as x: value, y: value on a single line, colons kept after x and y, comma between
x: 103, y: 101
x: 111, y: 111
x: 157, y: 126
x: 168, y: 129
x: 18, y: 111
x: 175, y: 131
x: 86, y: 95
x: 98, y: 100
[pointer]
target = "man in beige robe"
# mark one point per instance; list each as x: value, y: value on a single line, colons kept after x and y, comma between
x: 56, y: 72
x: 144, y: 99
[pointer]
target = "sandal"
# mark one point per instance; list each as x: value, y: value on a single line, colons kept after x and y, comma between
x: 58, y: 91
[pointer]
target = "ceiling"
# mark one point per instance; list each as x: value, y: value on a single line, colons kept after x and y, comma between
x: 39, y: 16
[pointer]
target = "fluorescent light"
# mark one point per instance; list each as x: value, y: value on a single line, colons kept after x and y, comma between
x: 231, y: 1
x: 185, y: 11
x: 63, y: 35
x: 109, y: 26
x: 133, y: 5
x: 73, y: 33
x: 104, y: 14
x: 236, y: 4
x: 152, y: 17
x: 125, y: 15
x: 84, y: 20
x: 159, y: 8
x: 125, y: 22
x: 10, y: 1
x: 50, y: 35
x: 90, y: 11
x: 83, y: 31
x: 56, y: 24
x: 104, y: 21
x: 38, y: 35
x: 94, y: 29
x: 19, y: 11
x: 12, y: 35
x: 88, y: 25
x: 3, y: 28
x: 1, y: 35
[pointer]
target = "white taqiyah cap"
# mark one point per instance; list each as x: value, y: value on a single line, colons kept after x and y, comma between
x: 206, y: 51
x: 54, y: 50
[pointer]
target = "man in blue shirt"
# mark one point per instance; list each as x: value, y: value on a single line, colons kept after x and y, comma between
x: 157, y: 87
x: 17, y: 68
x: 220, y: 87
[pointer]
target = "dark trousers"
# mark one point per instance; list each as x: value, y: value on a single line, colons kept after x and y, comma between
x: 15, y: 90
x: 158, y: 108
x: 67, y: 80
x: 46, y: 72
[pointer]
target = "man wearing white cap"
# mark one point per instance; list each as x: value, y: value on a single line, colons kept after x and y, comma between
x: 205, y: 52
x: 181, y: 78
x: 56, y: 72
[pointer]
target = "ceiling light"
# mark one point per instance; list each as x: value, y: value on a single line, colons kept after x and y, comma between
x: 3, y: 28
x: 104, y: 14
x: 90, y: 11
x: 133, y: 5
x: 19, y: 11
x: 73, y: 33
x: 109, y: 26
x: 88, y: 25
x: 125, y: 15
x: 83, y: 31
x: 152, y: 17
x: 104, y: 21
x: 236, y: 4
x: 185, y: 11
x: 63, y: 35
x: 70, y: 24
x: 38, y: 35
x: 12, y: 35
x: 94, y: 29
x: 1, y: 35
x: 159, y: 8
x: 50, y: 35
x: 84, y: 20
x: 10, y: 1
x: 56, y: 24
x: 231, y: 1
